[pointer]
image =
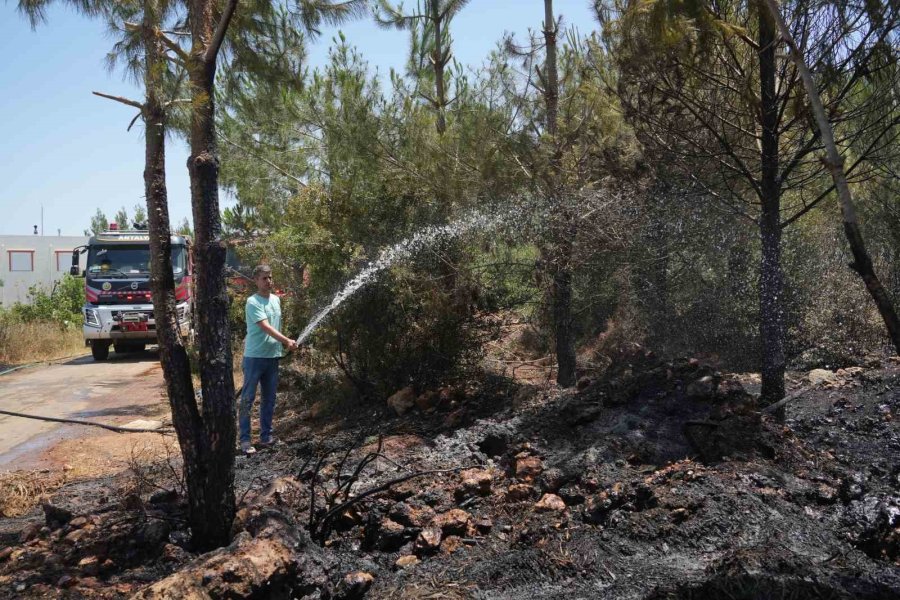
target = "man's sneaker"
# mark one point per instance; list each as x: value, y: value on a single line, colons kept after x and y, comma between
x: 247, y: 448
x: 267, y: 444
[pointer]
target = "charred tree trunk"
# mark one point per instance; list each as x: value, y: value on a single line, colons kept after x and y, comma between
x: 212, y: 487
x: 771, y: 287
x: 172, y: 351
x: 561, y: 256
x: 862, y: 262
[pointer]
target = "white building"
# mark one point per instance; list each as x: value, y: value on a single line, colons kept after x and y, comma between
x: 27, y: 260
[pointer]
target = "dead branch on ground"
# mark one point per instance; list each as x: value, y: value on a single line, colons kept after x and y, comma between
x: 115, y: 428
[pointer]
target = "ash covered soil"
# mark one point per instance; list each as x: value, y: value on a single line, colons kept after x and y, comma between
x: 656, y: 480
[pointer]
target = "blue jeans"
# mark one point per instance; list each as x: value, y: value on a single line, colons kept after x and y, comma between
x: 262, y: 372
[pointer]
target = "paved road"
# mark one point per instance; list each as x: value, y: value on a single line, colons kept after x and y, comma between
x: 120, y: 390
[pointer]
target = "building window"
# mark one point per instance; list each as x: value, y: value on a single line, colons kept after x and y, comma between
x: 21, y: 260
x: 63, y: 260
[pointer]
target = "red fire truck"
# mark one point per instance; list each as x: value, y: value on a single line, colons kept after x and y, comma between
x: 118, y: 309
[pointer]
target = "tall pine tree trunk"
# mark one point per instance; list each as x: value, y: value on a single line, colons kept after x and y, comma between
x: 771, y: 287
x: 438, y: 61
x: 561, y: 255
x: 862, y: 262
x: 173, y: 354
x: 212, y: 490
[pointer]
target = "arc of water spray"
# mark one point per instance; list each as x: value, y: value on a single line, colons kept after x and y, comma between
x: 399, y: 251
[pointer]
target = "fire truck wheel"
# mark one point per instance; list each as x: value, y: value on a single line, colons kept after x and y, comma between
x: 100, y: 351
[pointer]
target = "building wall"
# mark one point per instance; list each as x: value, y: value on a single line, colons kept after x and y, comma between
x: 51, y: 257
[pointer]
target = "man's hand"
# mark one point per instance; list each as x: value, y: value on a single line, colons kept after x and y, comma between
x: 290, y: 345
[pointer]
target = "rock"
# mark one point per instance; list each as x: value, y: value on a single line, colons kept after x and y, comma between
x: 453, y: 522
x: 56, y: 516
x: 821, y: 376
x: 89, y: 565
x: 519, y: 492
x: 354, y: 586
x: 451, y: 544
x: 30, y: 532
x: 402, y: 401
x: 427, y: 401
x: 406, y: 561
x: 153, y: 534
x: 552, y: 479
x: 550, y: 503
x: 282, y: 491
x: 484, y: 525
x: 66, y: 581
x: 391, y: 535
x: 411, y: 515
x: 79, y: 522
x: 571, y: 495
x: 475, y: 482
x: 703, y: 388
x: 529, y: 467
x: 583, y: 383
x: 680, y: 515
x: 163, y: 497
x: 849, y: 372
x: 75, y: 536
x: 5, y: 553
x: 428, y: 541
x: 173, y: 554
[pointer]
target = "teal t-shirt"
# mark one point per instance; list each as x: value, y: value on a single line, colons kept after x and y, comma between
x: 258, y: 343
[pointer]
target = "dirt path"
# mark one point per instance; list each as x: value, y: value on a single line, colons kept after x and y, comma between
x: 118, y: 391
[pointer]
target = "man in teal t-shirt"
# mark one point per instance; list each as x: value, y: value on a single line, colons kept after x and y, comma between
x: 262, y: 348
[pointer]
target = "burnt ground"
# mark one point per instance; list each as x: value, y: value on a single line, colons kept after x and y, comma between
x: 657, y: 480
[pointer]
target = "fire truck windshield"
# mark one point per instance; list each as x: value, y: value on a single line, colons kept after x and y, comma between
x: 124, y: 261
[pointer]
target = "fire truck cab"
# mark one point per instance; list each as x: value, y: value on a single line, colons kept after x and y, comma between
x: 118, y: 309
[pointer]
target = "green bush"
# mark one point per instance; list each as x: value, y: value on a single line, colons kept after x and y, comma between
x: 407, y: 328
x: 62, y: 304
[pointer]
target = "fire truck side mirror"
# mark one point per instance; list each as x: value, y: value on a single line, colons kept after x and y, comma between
x: 74, y: 271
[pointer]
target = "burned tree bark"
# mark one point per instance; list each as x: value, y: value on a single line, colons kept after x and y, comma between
x: 212, y: 486
x: 771, y: 287
x: 173, y: 353
x: 561, y: 253
x: 834, y: 162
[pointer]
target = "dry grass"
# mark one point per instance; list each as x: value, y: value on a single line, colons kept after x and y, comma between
x: 22, y: 343
x: 21, y: 490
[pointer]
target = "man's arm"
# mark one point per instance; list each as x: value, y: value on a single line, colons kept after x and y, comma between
x: 271, y: 331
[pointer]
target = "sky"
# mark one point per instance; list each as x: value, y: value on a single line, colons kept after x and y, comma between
x: 66, y: 151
